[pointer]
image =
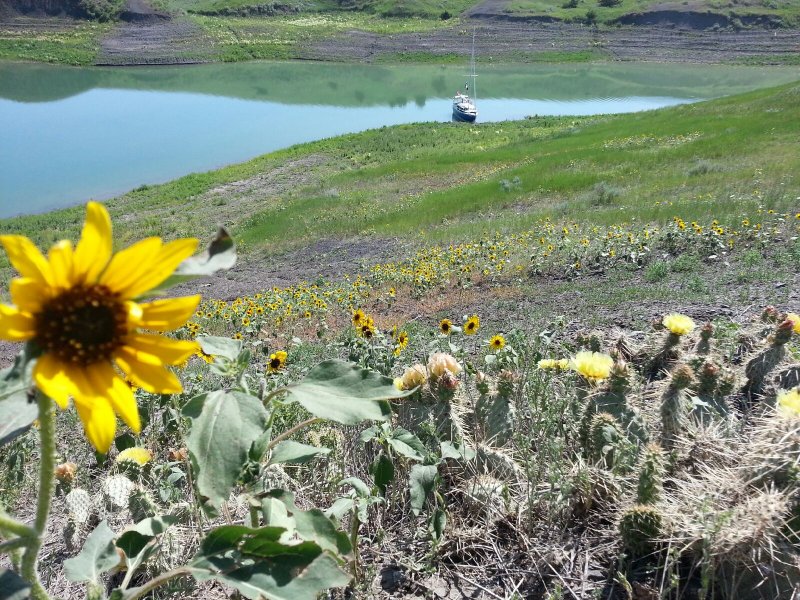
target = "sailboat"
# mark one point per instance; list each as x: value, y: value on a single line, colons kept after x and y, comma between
x: 464, y: 108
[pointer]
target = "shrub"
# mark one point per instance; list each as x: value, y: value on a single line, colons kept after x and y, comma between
x: 445, y: 15
x: 570, y: 4
x: 604, y: 194
x: 609, y: 3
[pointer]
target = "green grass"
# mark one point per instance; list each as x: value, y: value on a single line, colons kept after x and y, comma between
x: 383, y: 8
x: 76, y: 44
x: 786, y: 10
x: 438, y: 182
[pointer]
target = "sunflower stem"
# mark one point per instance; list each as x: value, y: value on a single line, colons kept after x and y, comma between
x: 10, y: 526
x: 47, y: 443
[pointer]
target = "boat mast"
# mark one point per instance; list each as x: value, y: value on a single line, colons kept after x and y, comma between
x: 473, y: 74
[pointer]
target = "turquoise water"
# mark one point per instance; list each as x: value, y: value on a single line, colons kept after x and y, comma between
x: 70, y: 134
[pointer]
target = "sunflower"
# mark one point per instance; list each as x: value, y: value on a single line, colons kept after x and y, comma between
x: 497, y: 342
x: 277, y: 360
x: 78, y: 306
x: 358, y: 318
x: 446, y: 326
x: 472, y: 325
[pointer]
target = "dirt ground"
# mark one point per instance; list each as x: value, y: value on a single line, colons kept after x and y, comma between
x: 148, y: 37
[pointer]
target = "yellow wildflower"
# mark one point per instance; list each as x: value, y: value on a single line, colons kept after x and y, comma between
x: 794, y: 318
x: 678, y: 324
x: 789, y: 403
x: 592, y: 365
x: 472, y: 325
x: 446, y: 326
x: 497, y: 342
x: 276, y: 362
x: 140, y: 456
x: 552, y: 364
x: 78, y: 307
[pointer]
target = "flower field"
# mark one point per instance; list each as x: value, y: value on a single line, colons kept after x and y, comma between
x: 597, y: 404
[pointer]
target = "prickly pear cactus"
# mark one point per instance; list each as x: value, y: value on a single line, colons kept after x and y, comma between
x: 495, y: 417
x: 761, y: 365
x: 116, y: 491
x: 641, y: 528
x: 614, y: 403
x: 141, y: 505
x: 605, y: 437
x: 676, y: 405
x: 651, y: 475
x: 484, y: 495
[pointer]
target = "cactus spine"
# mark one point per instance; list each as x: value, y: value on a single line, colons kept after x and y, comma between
x: 675, y: 405
x: 651, y: 475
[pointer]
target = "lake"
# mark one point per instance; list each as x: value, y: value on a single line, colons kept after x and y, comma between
x: 72, y: 134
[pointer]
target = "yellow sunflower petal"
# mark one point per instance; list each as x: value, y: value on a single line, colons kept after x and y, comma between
x: 131, y: 264
x: 170, y: 256
x: 152, y: 378
x: 105, y: 384
x: 99, y: 423
x: 163, y: 315
x: 28, y: 294
x: 94, y: 248
x: 60, y: 258
x: 54, y: 379
x: 160, y: 350
x: 25, y: 257
x: 15, y: 325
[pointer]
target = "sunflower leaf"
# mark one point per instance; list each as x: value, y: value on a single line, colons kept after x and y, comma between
x: 295, y: 453
x: 257, y: 564
x: 97, y: 556
x: 421, y: 483
x: 17, y: 408
x: 345, y: 393
x: 224, y: 427
x: 12, y: 586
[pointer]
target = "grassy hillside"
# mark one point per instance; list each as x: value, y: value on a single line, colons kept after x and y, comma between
x: 711, y: 159
x: 565, y: 433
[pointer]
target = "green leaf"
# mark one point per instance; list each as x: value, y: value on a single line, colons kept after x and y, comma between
x: 309, y: 525
x: 341, y: 507
x: 369, y: 434
x: 291, y: 452
x: 124, y: 441
x: 17, y: 406
x: 134, y: 539
x: 97, y: 556
x: 290, y: 578
x: 438, y: 523
x: 221, y: 254
x: 256, y: 563
x: 361, y: 488
x: 421, y: 483
x: 344, y: 392
x: 224, y: 427
x: 406, y: 443
x: 460, y: 452
x: 220, y: 346
x: 382, y: 471
x: 12, y: 586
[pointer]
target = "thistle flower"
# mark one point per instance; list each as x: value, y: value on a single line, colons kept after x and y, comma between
x: 413, y: 376
x: 440, y: 363
x: 79, y: 307
x: 593, y: 366
x: 140, y: 456
x: 678, y: 324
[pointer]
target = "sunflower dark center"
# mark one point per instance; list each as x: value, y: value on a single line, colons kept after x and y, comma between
x: 82, y: 325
